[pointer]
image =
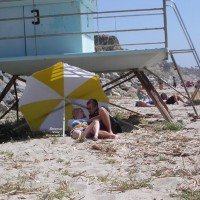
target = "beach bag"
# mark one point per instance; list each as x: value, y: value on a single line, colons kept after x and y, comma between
x: 116, y: 128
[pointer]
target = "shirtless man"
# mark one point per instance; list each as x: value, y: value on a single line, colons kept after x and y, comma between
x: 104, y: 118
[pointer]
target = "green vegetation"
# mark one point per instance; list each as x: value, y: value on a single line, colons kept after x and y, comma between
x: 189, y: 195
x: 111, y: 161
x: 119, y: 115
x: 9, y: 154
x: 103, y: 178
x: 20, y: 186
x: 66, y: 173
x: 60, y: 160
x: 176, y: 126
x: 173, y: 126
x: 132, y: 184
x: 15, y: 131
x: 19, y: 130
x: 54, y: 140
x: 132, y: 171
x: 64, y: 190
x: 162, y: 158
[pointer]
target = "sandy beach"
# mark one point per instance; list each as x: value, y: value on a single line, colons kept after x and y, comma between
x: 146, y: 163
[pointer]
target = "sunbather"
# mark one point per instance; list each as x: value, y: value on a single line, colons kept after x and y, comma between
x: 79, y: 126
x: 144, y: 104
x: 172, y: 99
x: 107, y: 127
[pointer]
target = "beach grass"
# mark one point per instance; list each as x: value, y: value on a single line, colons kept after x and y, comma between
x: 189, y: 195
x: 172, y: 126
x: 12, y: 131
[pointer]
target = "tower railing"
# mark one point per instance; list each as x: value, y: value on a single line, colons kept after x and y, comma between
x: 186, y: 33
x: 124, y: 24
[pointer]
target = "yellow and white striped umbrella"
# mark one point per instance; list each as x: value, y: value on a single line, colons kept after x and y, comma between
x: 51, y: 95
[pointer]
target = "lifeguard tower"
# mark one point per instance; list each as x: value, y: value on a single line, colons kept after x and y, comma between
x: 35, y: 34
x: 25, y: 32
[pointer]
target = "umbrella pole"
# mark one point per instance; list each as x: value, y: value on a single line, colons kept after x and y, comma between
x: 64, y: 120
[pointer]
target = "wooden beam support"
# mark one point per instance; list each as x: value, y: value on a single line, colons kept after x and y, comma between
x: 160, y: 104
x: 117, y: 79
x: 180, y: 76
x: 21, y: 79
x: 8, y: 86
x: 124, y: 108
x: 5, y: 91
x: 119, y: 83
x: 17, y: 100
x: 166, y: 83
x: 195, y: 92
x: 12, y: 107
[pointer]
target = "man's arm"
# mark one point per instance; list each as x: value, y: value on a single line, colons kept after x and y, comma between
x: 93, y: 118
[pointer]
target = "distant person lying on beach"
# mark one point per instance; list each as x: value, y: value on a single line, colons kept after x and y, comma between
x: 144, y: 104
x: 171, y: 100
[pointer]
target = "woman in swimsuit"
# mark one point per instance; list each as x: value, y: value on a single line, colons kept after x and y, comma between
x: 79, y: 126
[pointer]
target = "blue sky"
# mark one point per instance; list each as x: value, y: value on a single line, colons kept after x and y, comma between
x: 189, y: 10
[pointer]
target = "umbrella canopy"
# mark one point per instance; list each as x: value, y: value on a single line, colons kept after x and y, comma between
x: 51, y: 95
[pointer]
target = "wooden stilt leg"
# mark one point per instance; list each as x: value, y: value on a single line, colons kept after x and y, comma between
x: 160, y: 104
x: 195, y: 92
x: 17, y: 100
x: 11, y: 108
x: 6, y: 90
x: 8, y: 86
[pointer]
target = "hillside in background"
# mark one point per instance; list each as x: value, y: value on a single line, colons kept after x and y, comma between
x: 164, y: 70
